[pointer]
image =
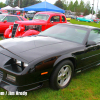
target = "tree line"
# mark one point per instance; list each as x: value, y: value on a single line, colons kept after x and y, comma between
x: 78, y: 7
x: 75, y: 6
x: 64, y: 4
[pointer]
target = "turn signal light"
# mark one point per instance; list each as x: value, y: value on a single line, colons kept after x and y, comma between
x: 44, y: 73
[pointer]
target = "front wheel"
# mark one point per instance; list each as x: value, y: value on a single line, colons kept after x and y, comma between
x: 61, y: 75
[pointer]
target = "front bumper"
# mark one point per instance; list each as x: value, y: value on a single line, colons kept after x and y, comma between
x: 14, y: 88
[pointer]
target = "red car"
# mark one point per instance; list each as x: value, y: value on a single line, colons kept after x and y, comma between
x: 40, y: 22
x: 6, y: 20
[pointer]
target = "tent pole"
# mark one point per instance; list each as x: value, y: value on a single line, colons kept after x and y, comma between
x: 45, y: 5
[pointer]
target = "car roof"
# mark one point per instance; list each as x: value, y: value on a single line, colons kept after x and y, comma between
x: 49, y: 13
x: 81, y: 26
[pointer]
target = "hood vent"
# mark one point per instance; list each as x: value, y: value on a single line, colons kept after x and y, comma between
x: 1, y: 74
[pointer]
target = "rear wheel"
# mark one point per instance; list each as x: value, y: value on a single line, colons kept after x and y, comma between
x: 62, y: 75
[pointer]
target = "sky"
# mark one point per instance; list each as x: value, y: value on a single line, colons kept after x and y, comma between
x: 91, y: 2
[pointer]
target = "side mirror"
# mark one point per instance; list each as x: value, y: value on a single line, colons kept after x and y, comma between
x: 5, y: 21
x: 89, y: 43
x: 51, y: 21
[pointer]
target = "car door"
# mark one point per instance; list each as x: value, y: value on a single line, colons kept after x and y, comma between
x: 92, y: 52
x: 63, y: 19
x: 53, y: 21
x: 8, y: 20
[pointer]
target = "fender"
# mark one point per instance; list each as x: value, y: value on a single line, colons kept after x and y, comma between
x: 30, y: 33
x: 7, y: 33
x: 64, y: 57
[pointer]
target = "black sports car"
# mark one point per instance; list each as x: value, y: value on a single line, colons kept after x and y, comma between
x: 54, y: 55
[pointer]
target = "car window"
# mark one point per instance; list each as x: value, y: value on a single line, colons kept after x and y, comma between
x: 94, y: 36
x: 55, y: 18
x: 11, y: 18
x: 73, y: 34
x: 21, y: 18
x: 1, y: 17
x: 41, y: 16
x: 63, y: 19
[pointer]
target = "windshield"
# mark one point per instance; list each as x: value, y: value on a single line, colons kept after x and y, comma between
x: 1, y: 17
x: 41, y: 16
x: 65, y: 32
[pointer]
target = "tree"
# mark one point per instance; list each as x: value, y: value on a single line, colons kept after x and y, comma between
x: 71, y: 7
x: 86, y: 12
x: 64, y: 4
x: 59, y: 4
x: 25, y: 3
x: 2, y: 4
x: 16, y: 3
x: 10, y: 3
x: 81, y: 6
x: 98, y: 15
x: 75, y: 6
x: 88, y: 8
x: 78, y: 12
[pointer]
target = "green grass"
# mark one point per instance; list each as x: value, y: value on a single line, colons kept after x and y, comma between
x: 84, y: 86
x: 73, y: 21
x: 0, y: 38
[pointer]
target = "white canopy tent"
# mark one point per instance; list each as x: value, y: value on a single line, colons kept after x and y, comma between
x: 90, y: 16
x: 7, y: 8
x: 11, y: 8
x: 17, y: 7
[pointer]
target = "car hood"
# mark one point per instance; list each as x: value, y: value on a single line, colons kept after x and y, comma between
x: 32, y: 22
x: 31, y: 48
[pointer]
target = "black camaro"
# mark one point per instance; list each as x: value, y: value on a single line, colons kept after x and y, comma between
x: 54, y: 55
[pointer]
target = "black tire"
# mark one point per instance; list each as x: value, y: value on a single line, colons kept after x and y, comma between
x: 61, y: 75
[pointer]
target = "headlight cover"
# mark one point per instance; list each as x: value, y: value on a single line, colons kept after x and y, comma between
x: 10, y: 27
x: 19, y: 29
x: 20, y: 63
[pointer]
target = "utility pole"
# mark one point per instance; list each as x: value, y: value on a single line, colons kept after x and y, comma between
x: 97, y: 8
x: 19, y: 3
x: 92, y: 9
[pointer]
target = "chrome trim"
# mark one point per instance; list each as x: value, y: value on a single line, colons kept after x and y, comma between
x: 14, y: 30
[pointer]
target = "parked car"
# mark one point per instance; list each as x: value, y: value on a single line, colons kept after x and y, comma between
x: 54, y: 55
x: 84, y: 19
x: 68, y: 18
x: 96, y: 20
x: 3, y: 12
x: 30, y: 14
x: 40, y: 22
x: 6, y: 20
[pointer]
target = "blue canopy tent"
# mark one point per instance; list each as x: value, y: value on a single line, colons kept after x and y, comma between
x: 44, y: 6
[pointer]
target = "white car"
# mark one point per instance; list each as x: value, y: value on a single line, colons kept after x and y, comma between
x: 30, y: 14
